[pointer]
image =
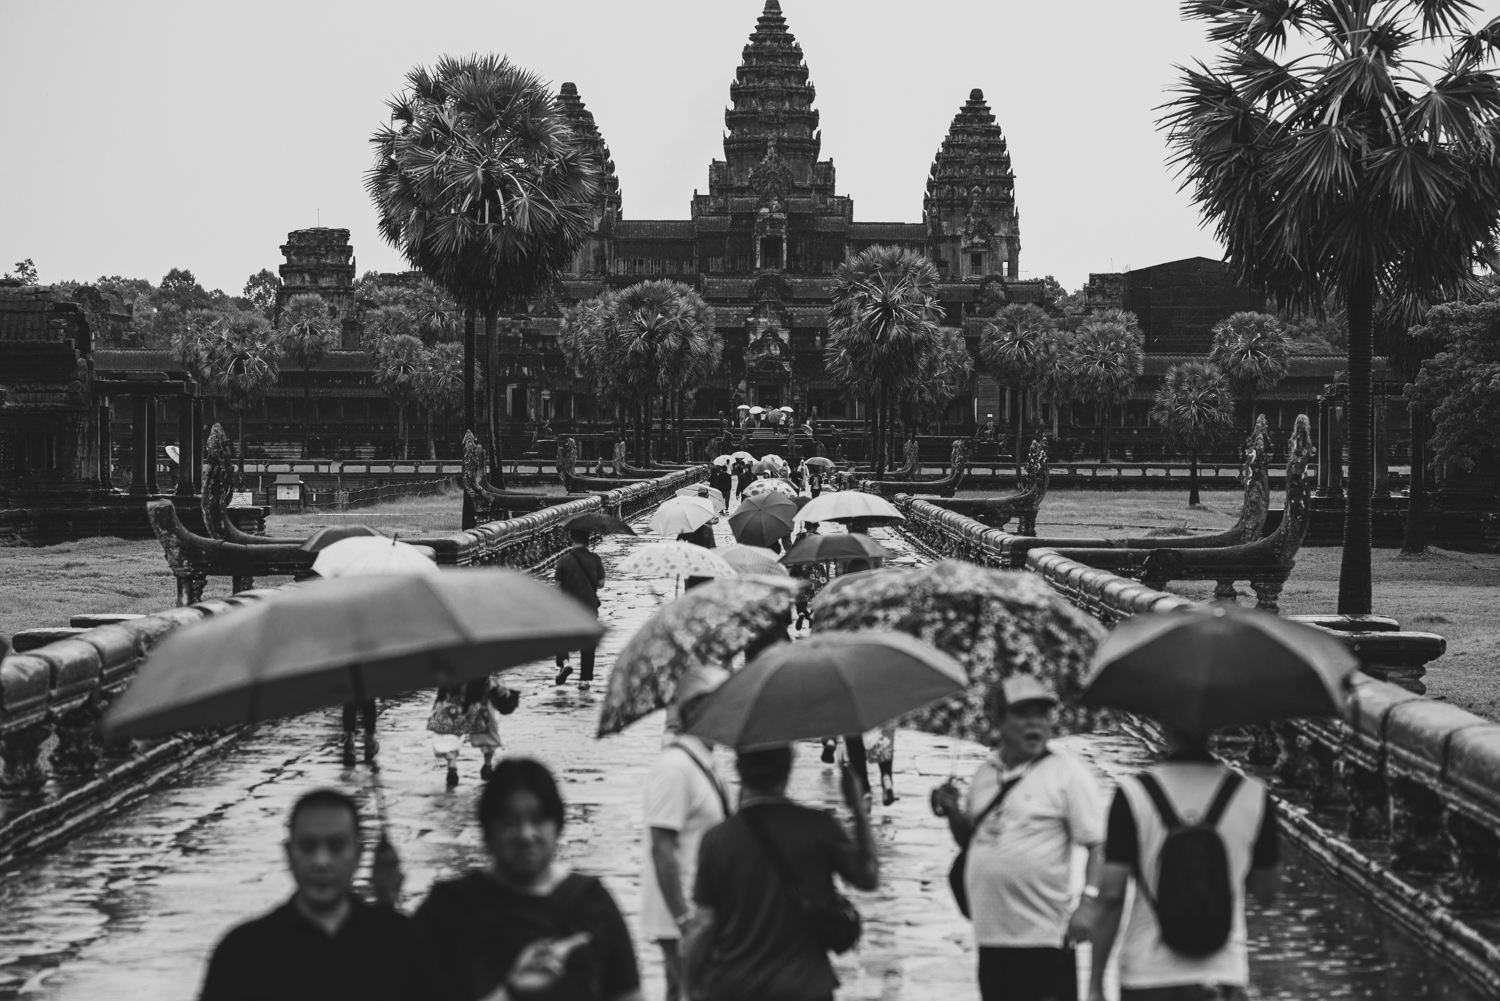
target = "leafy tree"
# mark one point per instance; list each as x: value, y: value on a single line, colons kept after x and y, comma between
x: 1194, y: 408
x: 1460, y: 387
x: 25, y: 272
x: 1347, y: 169
x: 1021, y: 349
x: 1104, y: 357
x: 440, y: 387
x: 304, y: 336
x: 883, y: 316
x: 482, y: 185
x: 1059, y: 298
x: 1251, y: 350
x: 261, y: 290
x: 398, y: 364
x: 233, y: 352
x: 944, y: 371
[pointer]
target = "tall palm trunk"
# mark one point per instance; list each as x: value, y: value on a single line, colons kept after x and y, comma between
x: 1355, y: 597
x: 306, y: 408
x: 1020, y: 431
x: 431, y: 436
x: 470, y: 349
x: 1415, y: 540
x: 240, y: 414
x: 492, y: 383
x: 1193, y: 500
x: 882, y: 430
x: 1104, y: 433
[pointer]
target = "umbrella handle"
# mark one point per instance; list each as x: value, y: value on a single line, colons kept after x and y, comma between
x: 953, y: 762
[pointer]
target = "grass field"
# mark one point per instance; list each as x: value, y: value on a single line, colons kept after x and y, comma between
x: 1453, y: 594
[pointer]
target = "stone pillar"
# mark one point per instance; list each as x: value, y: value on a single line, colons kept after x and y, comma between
x: 1418, y: 838
x: 198, y: 436
x: 140, y: 409
x: 152, y: 448
x: 77, y: 753
x: 187, y: 445
x: 105, y: 446
x: 22, y: 773
x: 1476, y: 858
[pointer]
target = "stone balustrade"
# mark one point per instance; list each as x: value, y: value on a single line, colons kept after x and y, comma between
x: 60, y: 689
x: 1420, y: 775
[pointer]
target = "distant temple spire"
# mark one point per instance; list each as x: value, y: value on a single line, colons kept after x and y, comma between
x: 771, y: 96
x: 970, y: 205
x: 581, y: 120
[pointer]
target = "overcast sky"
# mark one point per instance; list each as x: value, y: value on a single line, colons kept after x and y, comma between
x: 145, y: 136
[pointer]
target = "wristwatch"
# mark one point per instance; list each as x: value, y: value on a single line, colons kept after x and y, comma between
x: 685, y: 918
x: 1091, y: 893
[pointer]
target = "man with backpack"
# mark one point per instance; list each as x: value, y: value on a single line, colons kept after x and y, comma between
x: 1194, y: 835
x: 1027, y: 809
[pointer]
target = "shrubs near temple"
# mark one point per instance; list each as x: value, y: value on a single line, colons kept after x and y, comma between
x: 480, y: 183
x: 1193, y: 408
x: 305, y: 333
x: 236, y: 353
x: 1251, y: 350
x: 944, y: 371
x: 397, y: 364
x: 1367, y: 166
x: 1022, y: 350
x: 1102, y: 360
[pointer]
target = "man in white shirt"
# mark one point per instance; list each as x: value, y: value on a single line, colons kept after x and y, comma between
x: 684, y: 797
x: 1190, y: 779
x: 1019, y: 872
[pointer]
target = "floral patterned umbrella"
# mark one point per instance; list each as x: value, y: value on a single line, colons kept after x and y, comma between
x: 768, y: 486
x: 666, y: 560
x: 707, y: 626
x: 995, y: 622
x: 753, y: 560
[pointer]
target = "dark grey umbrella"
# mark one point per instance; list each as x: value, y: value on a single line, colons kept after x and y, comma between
x: 827, y: 548
x: 1217, y: 666
x: 595, y: 521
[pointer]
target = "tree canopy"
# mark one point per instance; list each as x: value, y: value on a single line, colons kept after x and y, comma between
x: 1193, y: 407
x: 1460, y: 386
x: 1252, y: 351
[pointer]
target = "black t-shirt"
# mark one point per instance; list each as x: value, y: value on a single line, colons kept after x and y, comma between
x: 580, y: 573
x: 478, y: 928
x: 763, y: 946
x: 376, y: 955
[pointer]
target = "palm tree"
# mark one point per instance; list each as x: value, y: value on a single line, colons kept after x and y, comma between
x: 1194, y: 408
x: 239, y: 356
x: 305, y: 334
x: 1250, y: 351
x: 398, y: 363
x: 1020, y: 348
x: 482, y: 185
x: 440, y: 387
x: 944, y: 371
x: 884, y: 314
x: 1104, y: 357
x: 1349, y: 169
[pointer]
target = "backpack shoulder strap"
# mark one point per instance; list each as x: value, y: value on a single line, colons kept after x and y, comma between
x: 1159, y: 798
x: 1227, y: 789
x: 713, y: 779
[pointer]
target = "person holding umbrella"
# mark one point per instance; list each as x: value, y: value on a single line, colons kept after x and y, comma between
x: 580, y: 574
x: 684, y: 797
x: 1026, y: 809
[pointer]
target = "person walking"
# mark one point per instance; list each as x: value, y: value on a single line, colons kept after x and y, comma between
x: 324, y: 944
x: 526, y: 926
x: 1184, y: 957
x: 751, y: 939
x: 470, y: 710
x: 580, y: 573
x: 1026, y: 809
x: 353, y: 712
x: 684, y: 797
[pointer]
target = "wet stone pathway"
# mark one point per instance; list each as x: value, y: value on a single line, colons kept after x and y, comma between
x: 131, y: 910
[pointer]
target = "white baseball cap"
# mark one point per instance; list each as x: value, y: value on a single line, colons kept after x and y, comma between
x: 1020, y: 688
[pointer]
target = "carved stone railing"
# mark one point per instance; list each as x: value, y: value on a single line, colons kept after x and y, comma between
x: 62, y: 688
x: 490, y: 503
x: 1022, y: 505
x: 1421, y: 776
x: 946, y: 485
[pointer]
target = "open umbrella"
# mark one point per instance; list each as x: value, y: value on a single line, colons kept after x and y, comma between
x: 598, y: 521
x: 763, y: 519
x: 363, y: 555
x: 723, y: 460
x: 336, y: 641
x: 1216, y: 666
x: 849, y: 505
x: 706, y: 626
x: 325, y: 537
x: 682, y: 514
x: 743, y: 456
x: 764, y: 466
x: 757, y: 410
x: 772, y: 458
x: 826, y: 685
x: 753, y: 560
x: 785, y: 410
x: 995, y: 622
x: 768, y: 486
x: 674, y: 559
x: 820, y: 548
x: 820, y: 461
x: 703, y: 491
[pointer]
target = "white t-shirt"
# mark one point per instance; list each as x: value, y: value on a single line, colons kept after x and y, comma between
x: 678, y: 797
x: 1019, y: 874
x: 1145, y: 961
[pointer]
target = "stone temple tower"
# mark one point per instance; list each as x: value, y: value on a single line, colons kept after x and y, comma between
x: 970, y: 206
x: 321, y: 260
x: 592, y: 256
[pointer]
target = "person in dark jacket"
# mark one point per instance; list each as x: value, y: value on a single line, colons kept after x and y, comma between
x: 526, y: 925
x: 325, y: 944
x: 579, y: 573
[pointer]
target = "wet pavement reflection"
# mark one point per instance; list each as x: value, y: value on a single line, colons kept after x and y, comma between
x: 131, y: 910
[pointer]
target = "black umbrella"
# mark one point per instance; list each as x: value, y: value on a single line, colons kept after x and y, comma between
x: 598, y: 521
x: 827, y: 548
x: 326, y: 537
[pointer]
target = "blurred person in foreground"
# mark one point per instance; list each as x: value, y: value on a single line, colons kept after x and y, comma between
x: 324, y: 944
x: 684, y: 797
x: 526, y: 926
x: 1028, y: 807
x: 750, y: 939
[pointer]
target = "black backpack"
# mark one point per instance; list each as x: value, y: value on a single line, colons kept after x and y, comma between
x: 1194, y: 898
